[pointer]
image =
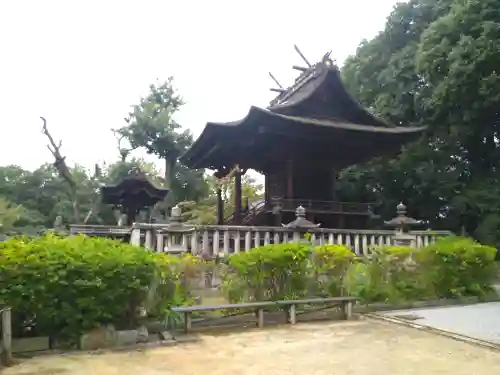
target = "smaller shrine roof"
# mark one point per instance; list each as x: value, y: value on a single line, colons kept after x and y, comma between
x: 135, y: 189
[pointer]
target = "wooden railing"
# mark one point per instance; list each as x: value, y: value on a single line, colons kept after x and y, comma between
x: 225, y: 240
x: 326, y: 206
x: 310, y: 205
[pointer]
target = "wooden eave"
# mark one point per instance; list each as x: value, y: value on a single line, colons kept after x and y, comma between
x: 134, y: 185
x: 233, y: 143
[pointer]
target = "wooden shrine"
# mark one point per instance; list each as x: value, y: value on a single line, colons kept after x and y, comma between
x: 300, y: 142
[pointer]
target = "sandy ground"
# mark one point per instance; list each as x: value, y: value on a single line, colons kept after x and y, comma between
x: 360, y: 347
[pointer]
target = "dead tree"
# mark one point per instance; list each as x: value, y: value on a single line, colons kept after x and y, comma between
x: 62, y: 168
x: 124, y: 152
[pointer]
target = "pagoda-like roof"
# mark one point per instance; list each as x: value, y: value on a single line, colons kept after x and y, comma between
x: 316, y: 118
x: 134, y: 190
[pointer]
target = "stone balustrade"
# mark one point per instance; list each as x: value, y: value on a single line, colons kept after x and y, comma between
x: 219, y: 240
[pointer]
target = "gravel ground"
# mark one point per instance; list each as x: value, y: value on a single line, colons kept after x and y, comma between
x: 360, y: 347
x: 480, y: 321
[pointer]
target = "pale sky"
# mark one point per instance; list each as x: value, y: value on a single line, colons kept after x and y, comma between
x: 82, y: 64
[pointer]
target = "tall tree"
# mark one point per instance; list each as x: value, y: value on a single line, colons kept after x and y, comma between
x: 152, y: 125
x: 434, y: 64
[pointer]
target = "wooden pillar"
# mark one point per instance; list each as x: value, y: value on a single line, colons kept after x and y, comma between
x: 289, y: 179
x: 342, y: 221
x: 237, y: 198
x: 220, y: 207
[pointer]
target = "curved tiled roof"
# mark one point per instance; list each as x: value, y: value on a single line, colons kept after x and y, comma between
x: 316, y: 105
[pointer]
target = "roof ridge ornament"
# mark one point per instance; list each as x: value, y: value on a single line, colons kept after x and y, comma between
x: 307, y: 73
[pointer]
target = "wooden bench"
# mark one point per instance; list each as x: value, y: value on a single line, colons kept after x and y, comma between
x: 291, y: 305
x: 258, y: 307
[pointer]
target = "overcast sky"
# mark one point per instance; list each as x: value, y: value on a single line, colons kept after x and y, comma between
x: 82, y: 64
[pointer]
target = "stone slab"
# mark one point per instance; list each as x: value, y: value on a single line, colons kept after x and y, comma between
x: 30, y: 344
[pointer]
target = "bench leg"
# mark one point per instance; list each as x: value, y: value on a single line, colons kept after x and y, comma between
x: 347, y: 307
x: 292, y: 314
x: 187, y: 321
x: 260, y: 317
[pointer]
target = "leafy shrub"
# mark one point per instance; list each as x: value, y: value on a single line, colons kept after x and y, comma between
x: 390, y: 274
x: 268, y: 272
x: 452, y: 267
x: 458, y: 266
x: 65, y: 286
x: 171, y: 286
x: 329, y: 266
x: 286, y: 271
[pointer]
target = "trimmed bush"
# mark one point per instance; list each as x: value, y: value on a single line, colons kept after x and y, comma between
x: 268, y: 272
x: 63, y: 287
x: 389, y: 275
x: 286, y: 271
x: 458, y: 267
x: 329, y: 267
x: 452, y: 267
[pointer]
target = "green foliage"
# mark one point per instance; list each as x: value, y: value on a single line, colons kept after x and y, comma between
x: 329, y: 267
x: 434, y: 64
x: 452, y: 267
x: 270, y: 272
x: 457, y: 267
x: 389, y: 275
x: 9, y: 214
x: 286, y: 271
x: 151, y: 125
x: 65, y: 286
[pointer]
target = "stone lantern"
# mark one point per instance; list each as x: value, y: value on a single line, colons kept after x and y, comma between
x: 402, y: 224
x: 176, y: 233
x: 300, y: 225
x: 300, y: 222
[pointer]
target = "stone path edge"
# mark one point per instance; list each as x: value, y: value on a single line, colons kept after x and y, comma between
x: 375, y: 307
x: 455, y: 336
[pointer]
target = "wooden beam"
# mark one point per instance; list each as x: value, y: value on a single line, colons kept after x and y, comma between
x: 300, y: 68
x: 301, y: 55
x: 275, y: 80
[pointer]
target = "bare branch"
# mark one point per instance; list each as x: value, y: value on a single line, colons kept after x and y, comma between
x: 61, y: 166
x: 124, y: 152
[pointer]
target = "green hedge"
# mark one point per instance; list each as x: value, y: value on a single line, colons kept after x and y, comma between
x: 452, y: 267
x: 286, y: 271
x: 64, y: 286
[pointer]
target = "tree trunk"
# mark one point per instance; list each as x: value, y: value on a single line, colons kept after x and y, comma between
x: 169, y: 170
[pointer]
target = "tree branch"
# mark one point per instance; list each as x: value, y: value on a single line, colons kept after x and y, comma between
x: 61, y: 166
